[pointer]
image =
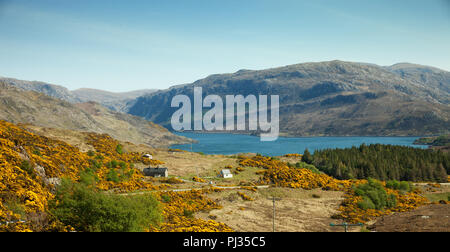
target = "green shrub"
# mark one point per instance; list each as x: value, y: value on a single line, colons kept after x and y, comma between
x: 393, y: 184
x: 26, y: 166
x: 307, y: 157
x: 122, y: 165
x: 90, y: 153
x: 374, y: 196
x: 112, y: 176
x: 37, y: 152
x: 114, y: 164
x: 166, y: 198
x: 303, y: 165
x: 95, y: 165
x: 404, y: 186
x: 88, y: 210
x: 366, y: 203
x: 119, y: 149
x: 188, y: 213
x: 88, y: 177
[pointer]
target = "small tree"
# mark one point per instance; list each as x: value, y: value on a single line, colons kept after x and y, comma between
x: 88, y: 210
x: 307, y: 157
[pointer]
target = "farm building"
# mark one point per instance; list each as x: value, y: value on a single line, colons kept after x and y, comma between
x: 156, y: 172
x: 225, y: 173
x: 149, y: 156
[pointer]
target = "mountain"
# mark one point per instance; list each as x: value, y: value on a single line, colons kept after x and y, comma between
x: 332, y: 98
x: 30, y: 107
x: 114, y: 101
x: 52, y: 90
x: 111, y: 100
x: 429, y: 76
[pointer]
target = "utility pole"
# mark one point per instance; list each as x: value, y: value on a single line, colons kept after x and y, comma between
x: 346, y: 225
x: 273, y: 215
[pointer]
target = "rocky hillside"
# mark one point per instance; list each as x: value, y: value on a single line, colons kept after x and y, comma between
x: 52, y: 90
x: 330, y: 98
x: 29, y: 107
x: 111, y: 100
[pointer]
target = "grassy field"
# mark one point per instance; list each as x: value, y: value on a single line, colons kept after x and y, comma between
x: 436, y: 197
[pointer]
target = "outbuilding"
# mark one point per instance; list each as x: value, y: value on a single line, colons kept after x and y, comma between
x: 156, y: 172
x: 149, y: 156
x: 226, y: 173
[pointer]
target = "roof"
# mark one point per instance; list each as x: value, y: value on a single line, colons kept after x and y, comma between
x: 155, y: 170
x: 226, y: 171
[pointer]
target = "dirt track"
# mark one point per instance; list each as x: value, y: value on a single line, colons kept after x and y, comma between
x: 431, y: 218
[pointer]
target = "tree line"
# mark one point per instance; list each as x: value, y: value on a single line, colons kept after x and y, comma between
x: 383, y: 162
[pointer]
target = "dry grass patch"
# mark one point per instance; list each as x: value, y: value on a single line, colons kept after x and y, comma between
x: 298, y: 211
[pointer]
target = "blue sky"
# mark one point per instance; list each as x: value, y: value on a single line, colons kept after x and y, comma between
x: 127, y: 45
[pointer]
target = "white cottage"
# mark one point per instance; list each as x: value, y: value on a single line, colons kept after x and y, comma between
x: 225, y: 173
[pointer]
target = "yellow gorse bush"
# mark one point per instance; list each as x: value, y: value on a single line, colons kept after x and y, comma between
x: 28, y: 161
x: 176, y: 205
x: 350, y: 211
x: 296, y: 155
x: 280, y: 174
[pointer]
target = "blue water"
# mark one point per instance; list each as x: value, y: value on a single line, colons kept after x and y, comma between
x: 221, y: 143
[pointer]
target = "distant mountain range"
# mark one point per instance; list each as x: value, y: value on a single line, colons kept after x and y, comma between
x: 111, y: 100
x: 334, y: 98
x: 30, y: 107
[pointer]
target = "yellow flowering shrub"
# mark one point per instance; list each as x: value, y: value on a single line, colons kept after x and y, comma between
x: 197, y: 179
x: 296, y: 155
x: 406, y: 201
x: 178, y: 210
x: 280, y: 174
x: 244, y: 196
x: 28, y: 162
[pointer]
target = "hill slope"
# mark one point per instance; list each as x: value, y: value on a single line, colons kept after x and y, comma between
x: 330, y: 98
x: 29, y: 107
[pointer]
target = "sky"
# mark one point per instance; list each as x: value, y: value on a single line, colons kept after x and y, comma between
x: 154, y: 44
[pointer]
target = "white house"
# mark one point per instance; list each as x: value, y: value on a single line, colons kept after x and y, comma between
x: 225, y: 173
x: 148, y: 156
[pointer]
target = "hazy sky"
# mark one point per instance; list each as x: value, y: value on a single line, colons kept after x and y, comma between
x: 126, y: 45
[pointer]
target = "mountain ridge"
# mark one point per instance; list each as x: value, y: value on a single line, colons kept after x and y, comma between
x: 334, y: 98
x: 331, y: 98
